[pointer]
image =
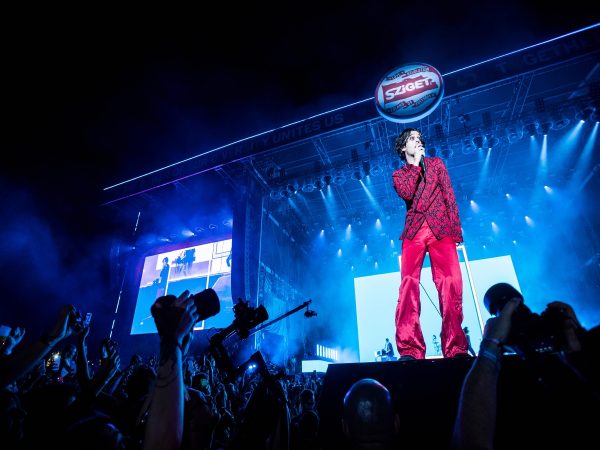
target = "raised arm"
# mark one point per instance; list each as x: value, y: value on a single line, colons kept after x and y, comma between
x: 22, y: 360
x: 174, y: 322
x: 476, y: 418
x: 83, y: 369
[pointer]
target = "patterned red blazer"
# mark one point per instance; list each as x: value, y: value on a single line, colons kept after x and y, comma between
x: 432, y: 200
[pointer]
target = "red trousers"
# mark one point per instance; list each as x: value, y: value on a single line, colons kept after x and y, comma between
x: 447, y: 277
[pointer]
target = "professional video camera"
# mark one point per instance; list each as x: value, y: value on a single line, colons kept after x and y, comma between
x: 246, y: 318
x: 530, y: 334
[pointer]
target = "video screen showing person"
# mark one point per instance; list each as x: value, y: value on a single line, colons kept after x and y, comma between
x: 194, y: 268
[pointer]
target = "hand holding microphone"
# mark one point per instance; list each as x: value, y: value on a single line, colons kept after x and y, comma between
x: 422, y: 162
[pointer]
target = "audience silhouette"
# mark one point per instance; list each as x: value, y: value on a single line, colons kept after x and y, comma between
x: 553, y: 398
x: 369, y: 420
x: 510, y: 398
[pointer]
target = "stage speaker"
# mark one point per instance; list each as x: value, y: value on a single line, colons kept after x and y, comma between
x: 424, y: 392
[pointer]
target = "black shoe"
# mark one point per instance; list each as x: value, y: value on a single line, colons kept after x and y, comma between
x: 407, y: 358
x: 461, y: 355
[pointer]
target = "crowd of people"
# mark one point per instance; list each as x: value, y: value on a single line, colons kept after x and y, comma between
x: 51, y: 387
x: 182, y: 401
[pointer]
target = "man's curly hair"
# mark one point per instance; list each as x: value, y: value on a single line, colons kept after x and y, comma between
x: 401, y: 140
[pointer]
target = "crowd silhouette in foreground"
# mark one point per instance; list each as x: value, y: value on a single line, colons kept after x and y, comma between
x: 180, y: 401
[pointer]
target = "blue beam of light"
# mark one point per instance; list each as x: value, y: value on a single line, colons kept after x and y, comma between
x: 582, y: 167
x: 374, y: 202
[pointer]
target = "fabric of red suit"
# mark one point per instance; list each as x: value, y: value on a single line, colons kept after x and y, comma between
x: 432, y: 225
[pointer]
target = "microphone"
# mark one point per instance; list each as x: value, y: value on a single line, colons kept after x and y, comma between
x: 422, y: 164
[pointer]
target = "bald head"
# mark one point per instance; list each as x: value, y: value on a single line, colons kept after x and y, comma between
x: 368, y: 412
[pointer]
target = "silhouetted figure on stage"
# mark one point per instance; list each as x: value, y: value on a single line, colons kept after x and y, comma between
x: 188, y: 259
x: 436, y: 345
x: 387, y: 352
x: 471, y: 351
x: 161, y: 281
x: 432, y: 225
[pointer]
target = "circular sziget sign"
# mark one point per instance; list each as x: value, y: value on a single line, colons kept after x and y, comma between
x: 409, y: 92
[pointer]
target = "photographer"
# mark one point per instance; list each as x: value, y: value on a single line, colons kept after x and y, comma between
x: 174, y: 322
x: 476, y: 418
x: 548, y: 381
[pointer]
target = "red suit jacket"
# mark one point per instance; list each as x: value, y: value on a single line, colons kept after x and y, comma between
x: 433, y: 200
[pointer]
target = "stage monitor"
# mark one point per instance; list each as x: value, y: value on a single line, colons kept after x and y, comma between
x: 190, y: 267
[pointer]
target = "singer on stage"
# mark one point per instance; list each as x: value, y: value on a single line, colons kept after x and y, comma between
x: 432, y: 225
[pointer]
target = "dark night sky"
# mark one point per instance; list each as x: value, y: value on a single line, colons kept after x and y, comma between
x: 97, y: 98
x: 126, y: 96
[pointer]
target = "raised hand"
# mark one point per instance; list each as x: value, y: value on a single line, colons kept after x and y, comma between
x: 175, y: 317
x: 498, y: 327
x: 12, y: 340
x: 571, y: 327
x: 62, y: 328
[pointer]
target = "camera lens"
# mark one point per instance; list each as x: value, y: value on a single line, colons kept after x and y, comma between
x: 207, y: 303
x: 496, y: 297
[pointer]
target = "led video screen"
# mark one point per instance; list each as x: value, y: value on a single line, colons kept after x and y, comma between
x: 191, y: 267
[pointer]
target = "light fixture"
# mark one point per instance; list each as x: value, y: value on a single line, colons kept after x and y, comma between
x: 585, y: 114
x: 487, y: 119
x: 532, y: 127
x: 492, y: 141
x: 559, y: 121
x: 439, y: 131
x: 465, y: 120
x: 446, y: 152
x: 366, y: 168
x: 376, y: 168
x: 339, y: 178
x: 308, y: 186
x: 467, y: 146
x: 514, y: 133
x: 540, y: 105
x: 545, y: 126
x: 478, y: 141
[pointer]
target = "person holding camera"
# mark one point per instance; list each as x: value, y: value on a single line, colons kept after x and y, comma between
x: 552, y: 363
x: 174, y: 319
x: 163, y: 277
x: 476, y: 418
